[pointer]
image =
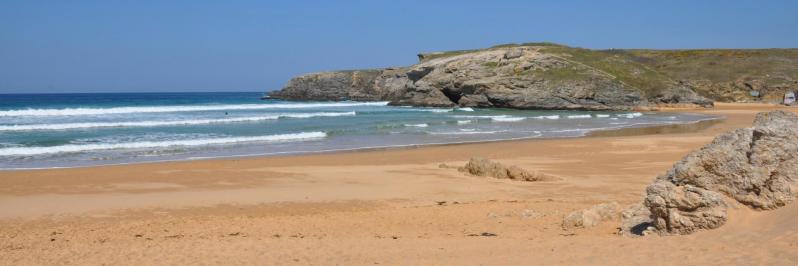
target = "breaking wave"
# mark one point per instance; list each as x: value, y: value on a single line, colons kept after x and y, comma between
x: 167, y: 123
x: 71, y: 148
x: 177, y: 108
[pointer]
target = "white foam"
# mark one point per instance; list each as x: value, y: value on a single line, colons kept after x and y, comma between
x: 437, y: 110
x: 602, y: 116
x: 579, y: 116
x: 319, y: 114
x: 497, y: 118
x: 475, y: 116
x: 416, y: 125
x: 177, y: 108
x: 630, y: 115
x: 167, y: 123
x: 465, y: 132
x: 463, y: 122
x: 508, y: 119
x: 466, y: 109
x: 551, y: 117
x: 26, y: 151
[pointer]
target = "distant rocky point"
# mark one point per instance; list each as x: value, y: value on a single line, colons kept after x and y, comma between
x: 553, y: 76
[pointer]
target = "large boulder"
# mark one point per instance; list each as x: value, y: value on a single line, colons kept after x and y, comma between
x: 755, y: 166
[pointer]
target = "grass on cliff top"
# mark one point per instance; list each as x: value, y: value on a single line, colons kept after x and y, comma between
x: 423, y: 57
x: 615, y: 63
x: 773, y: 66
x: 650, y: 71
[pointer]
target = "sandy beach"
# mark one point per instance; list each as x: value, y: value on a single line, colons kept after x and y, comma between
x: 394, y: 206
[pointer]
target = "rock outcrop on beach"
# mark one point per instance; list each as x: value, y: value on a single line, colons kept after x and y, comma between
x: 552, y: 76
x: 757, y: 167
x: 483, y: 167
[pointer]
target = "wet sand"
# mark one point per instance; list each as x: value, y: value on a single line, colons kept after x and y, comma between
x: 392, y: 206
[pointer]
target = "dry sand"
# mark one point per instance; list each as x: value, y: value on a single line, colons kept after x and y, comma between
x: 378, y: 207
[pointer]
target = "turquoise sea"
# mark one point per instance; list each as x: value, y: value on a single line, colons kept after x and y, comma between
x: 68, y: 130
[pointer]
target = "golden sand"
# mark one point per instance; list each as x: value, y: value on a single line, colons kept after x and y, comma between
x: 391, y: 206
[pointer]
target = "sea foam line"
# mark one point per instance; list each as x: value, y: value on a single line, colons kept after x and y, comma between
x: 176, y: 108
x: 167, y: 123
x: 27, y: 151
x: 579, y: 116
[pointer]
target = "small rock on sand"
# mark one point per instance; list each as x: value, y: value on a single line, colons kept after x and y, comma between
x: 592, y: 216
x: 483, y: 167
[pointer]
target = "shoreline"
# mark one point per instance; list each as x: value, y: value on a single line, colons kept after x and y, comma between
x: 630, y: 130
x: 378, y: 206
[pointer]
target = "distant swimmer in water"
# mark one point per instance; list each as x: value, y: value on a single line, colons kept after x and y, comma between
x: 225, y: 113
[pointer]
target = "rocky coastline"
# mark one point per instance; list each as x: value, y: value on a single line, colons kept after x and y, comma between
x: 547, y: 76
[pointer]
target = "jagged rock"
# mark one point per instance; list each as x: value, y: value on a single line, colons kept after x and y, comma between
x: 513, y: 53
x: 636, y: 221
x: 756, y: 166
x: 592, y: 216
x: 684, y: 209
x: 682, y: 95
x: 483, y: 167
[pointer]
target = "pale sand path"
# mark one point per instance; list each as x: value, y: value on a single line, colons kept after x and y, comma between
x: 375, y: 207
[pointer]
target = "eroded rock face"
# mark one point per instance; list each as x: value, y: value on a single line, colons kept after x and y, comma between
x: 518, y: 77
x: 636, y: 221
x: 684, y: 209
x: 483, y: 167
x: 756, y: 166
x: 682, y: 95
x: 592, y: 216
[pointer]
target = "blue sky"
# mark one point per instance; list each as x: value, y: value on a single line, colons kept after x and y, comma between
x: 146, y: 46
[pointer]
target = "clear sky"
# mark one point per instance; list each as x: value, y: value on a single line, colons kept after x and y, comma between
x: 145, y: 46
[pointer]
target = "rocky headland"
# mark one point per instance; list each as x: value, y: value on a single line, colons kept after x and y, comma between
x: 553, y: 76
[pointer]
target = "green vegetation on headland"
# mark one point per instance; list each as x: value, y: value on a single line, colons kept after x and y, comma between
x: 720, y: 74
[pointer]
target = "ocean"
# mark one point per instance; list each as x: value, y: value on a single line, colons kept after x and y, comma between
x: 70, y: 130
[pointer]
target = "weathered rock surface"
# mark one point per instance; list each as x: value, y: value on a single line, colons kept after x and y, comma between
x: 681, y: 95
x: 592, y: 216
x: 483, y: 167
x: 511, y: 77
x: 756, y: 166
x: 636, y: 221
x: 684, y: 209
x: 552, y: 76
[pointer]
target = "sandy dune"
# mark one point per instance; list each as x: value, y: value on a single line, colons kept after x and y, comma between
x: 378, y: 207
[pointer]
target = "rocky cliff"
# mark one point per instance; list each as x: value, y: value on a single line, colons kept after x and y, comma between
x: 544, y: 76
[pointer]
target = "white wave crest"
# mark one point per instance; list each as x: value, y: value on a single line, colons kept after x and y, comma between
x: 602, y: 116
x: 463, y: 122
x: 465, y: 132
x: 579, y: 116
x: 551, y: 117
x: 177, y: 108
x: 508, y: 119
x: 167, y: 123
x: 320, y: 114
x: 465, y: 109
x: 416, y: 125
x: 630, y: 115
x: 70, y: 148
x: 436, y: 110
